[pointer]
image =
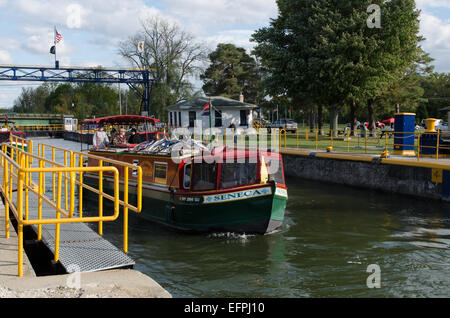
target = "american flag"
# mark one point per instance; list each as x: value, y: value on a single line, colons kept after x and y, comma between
x: 58, y: 37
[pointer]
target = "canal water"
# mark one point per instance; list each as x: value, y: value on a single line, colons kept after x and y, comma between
x: 331, y: 235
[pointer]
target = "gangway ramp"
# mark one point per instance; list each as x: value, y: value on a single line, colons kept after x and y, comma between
x: 50, y: 206
x: 81, y: 248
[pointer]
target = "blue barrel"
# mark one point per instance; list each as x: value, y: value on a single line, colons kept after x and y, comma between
x: 404, y: 137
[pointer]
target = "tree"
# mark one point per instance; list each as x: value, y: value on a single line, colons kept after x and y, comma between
x: 175, y: 56
x: 326, y: 51
x: 232, y: 72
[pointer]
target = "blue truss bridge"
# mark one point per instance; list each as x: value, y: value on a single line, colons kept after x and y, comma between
x: 129, y: 76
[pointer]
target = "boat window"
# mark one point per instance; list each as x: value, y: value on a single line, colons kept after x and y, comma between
x: 204, y: 176
x: 160, y: 172
x: 276, y: 172
x: 236, y: 174
x: 187, y: 176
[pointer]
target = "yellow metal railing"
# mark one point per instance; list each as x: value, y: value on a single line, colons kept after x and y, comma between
x: 381, y: 142
x: 49, y: 127
x: 21, y: 143
x: 78, y: 158
x: 17, y: 169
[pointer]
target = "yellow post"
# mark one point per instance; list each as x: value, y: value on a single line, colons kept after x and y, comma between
x: 365, y: 141
x: 19, y: 223
x: 306, y: 135
x: 285, y: 136
x: 58, y: 215
x: 43, y: 166
x: 100, y: 197
x: 125, y: 210
x: 26, y: 186
x: 418, y: 147
x: 66, y: 198
x: 72, y: 184
x: 53, y: 176
x: 331, y: 133
x: 6, y: 187
x: 437, y: 144
x: 317, y: 139
x: 40, y: 191
x: 80, y: 188
x: 297, y: 138
x: 348, y: 140
x: 386, y: 142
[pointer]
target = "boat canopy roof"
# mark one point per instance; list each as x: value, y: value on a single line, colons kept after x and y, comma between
x: 121, y: 120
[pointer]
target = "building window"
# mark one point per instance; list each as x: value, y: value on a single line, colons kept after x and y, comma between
x: 179, y: 119
x: 170, y: 119
x: 218, y: 118
x: 192, y: 118
x: 161, y: 173
x: 244, y: 114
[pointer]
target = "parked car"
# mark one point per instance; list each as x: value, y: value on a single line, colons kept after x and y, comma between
x: 442, y: 126
x: 286, y: 124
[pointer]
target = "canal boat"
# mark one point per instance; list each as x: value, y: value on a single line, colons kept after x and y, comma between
x: 190, y: 187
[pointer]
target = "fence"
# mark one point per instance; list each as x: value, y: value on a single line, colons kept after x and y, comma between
x: 18, y: 170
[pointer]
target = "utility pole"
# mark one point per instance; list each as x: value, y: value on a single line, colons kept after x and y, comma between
x: 120, y: 100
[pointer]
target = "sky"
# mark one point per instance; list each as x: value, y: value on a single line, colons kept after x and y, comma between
x: 92, y: 29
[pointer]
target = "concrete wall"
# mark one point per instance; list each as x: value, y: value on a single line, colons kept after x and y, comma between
x: 375, y: 174
x: 75, y: 136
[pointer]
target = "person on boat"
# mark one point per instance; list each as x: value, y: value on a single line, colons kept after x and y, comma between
x: 119, y: 140
x: 133, y: 138
x: 100, y: 140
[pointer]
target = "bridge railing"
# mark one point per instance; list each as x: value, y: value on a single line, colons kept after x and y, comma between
x: 17, y: 170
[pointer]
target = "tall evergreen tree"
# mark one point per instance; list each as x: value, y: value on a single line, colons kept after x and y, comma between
x: 327, y: 51
x: 232, y: 72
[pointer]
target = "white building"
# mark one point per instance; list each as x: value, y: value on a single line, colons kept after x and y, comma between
x: 224, y: 112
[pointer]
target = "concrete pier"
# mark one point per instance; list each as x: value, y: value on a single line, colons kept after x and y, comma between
x: 427, y: 177
x: 119, y: 283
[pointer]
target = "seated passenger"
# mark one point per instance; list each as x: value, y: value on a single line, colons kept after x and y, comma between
x: 134, y: 138
x: 119, y: 139
x: 100, y: 139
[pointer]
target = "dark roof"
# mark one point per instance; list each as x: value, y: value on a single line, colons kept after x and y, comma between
x: 219, y: 102
x: 120, y: 120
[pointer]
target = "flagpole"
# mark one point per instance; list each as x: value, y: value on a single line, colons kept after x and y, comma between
x: 210, y: 121
x: 54, y: 41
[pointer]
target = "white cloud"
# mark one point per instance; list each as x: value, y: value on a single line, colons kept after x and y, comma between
x: 437, y: 43
x: 240, y: 38
x: 223, y: 13
x: 433, y: 3
x: 5, y: 57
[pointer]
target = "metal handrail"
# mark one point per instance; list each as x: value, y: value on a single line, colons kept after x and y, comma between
x: 101, y: 160
x: 17, y: 164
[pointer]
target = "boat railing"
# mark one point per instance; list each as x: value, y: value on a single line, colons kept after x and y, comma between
x: 78, y: 159
x: 29, y: 180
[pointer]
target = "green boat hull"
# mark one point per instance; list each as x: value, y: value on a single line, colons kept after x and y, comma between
x: 260, y: 212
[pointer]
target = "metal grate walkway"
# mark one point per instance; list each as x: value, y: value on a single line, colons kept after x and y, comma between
x: 81, y: 248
